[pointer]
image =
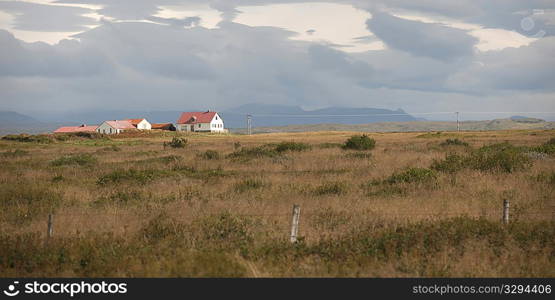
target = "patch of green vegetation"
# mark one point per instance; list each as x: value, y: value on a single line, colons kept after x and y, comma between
x: 547, y: 148
x: 329, y: 145
x: 210, y: 155
x: 360, y: 142
x: 58, y: 178
x: 75, y: 159
x: 359, y: 155
x: 177, y: 142
x: 249, y: 184
x: 331, y: 188
x: 454, y: 142
x: 502, y: 157
x: 451, y: 164
x: 412, y: 175
x: 253, y: 153
x: 131, y: 175
x: 26, y: 138
x: 291, y: 146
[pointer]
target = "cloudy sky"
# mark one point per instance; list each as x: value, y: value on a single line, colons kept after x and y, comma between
x: 422, y: 56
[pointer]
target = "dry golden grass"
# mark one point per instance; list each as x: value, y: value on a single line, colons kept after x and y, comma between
x: 83, y: 208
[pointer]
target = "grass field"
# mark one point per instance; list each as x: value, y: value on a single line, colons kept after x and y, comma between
x: 417, y: 204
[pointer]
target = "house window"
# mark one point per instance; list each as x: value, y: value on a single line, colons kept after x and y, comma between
x: 198, y: 126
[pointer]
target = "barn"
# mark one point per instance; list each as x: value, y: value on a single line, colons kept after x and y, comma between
x: 208, y: 121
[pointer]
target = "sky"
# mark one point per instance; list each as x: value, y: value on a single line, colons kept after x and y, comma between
x: 472, y: 56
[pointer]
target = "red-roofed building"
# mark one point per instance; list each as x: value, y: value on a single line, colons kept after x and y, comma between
x: 164, y: 126
x: 82, y: 128
x: 115, y: 126
x: 207, y: 121
x: 141, y: 124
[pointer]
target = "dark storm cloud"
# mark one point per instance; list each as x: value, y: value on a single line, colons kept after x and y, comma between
x: 39, y: 17
x: 421, y: 39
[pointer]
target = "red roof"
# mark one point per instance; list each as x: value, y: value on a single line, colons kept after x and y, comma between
x: 135, y: 122
x: 117, y: 124
x: 162, y: 126
x: 82, y: 128
x: 196, y: 117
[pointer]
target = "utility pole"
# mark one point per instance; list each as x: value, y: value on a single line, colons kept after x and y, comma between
x: 458, y: 124
x: 249, y: 124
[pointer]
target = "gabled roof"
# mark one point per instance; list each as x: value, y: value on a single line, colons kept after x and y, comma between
x: 82, y: 128
x: 196, y: 117
x: 135, y: 122
x: 120, y: 124
x: 162, y: 125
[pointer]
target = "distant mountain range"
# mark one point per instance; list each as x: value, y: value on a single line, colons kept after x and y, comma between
x: 265, y: 118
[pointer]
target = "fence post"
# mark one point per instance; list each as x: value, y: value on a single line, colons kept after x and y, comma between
x: 295, y: 223
x: 506, y: 205
x: 50, y: 225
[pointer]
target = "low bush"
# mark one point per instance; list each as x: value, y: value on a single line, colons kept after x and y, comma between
x: 291, y: 146
x: 454, y: 142
x: 131, y: 175
x: 359, y: 155
x: 177, y: 142
x: 451, y: 164
x: 412, y: 175
x: 26, y: 138
x: 210, y: 155
x: 547, y: 148
x: 502, y: 157
x: 360, y: 142
x: 75, y: 159
x: 223, y: 231
x: 331, y: 188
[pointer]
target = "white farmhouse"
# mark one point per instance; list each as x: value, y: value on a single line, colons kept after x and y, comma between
x: 114, y: 127
x: 208, y: 121
x: 141, y: 124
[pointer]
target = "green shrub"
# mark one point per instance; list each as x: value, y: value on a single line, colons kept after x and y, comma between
x: 451, y: 164
x: 76, y: 159
x: 178, y: 142
x: 547, y: 148
x: 25, y: 138
x: 210, y: 155
x: 131, y: 175
x: 331, y: 188
x: 292, y: 146
x: 502, y: 157
x: 454, y: 142
x: 412, y: 175
x: 360, y: 142
x: 499, y: 157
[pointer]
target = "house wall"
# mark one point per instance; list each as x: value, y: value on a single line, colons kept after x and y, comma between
x: 216, y: 125
x: 144, y: 125
x: 107, y: 129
